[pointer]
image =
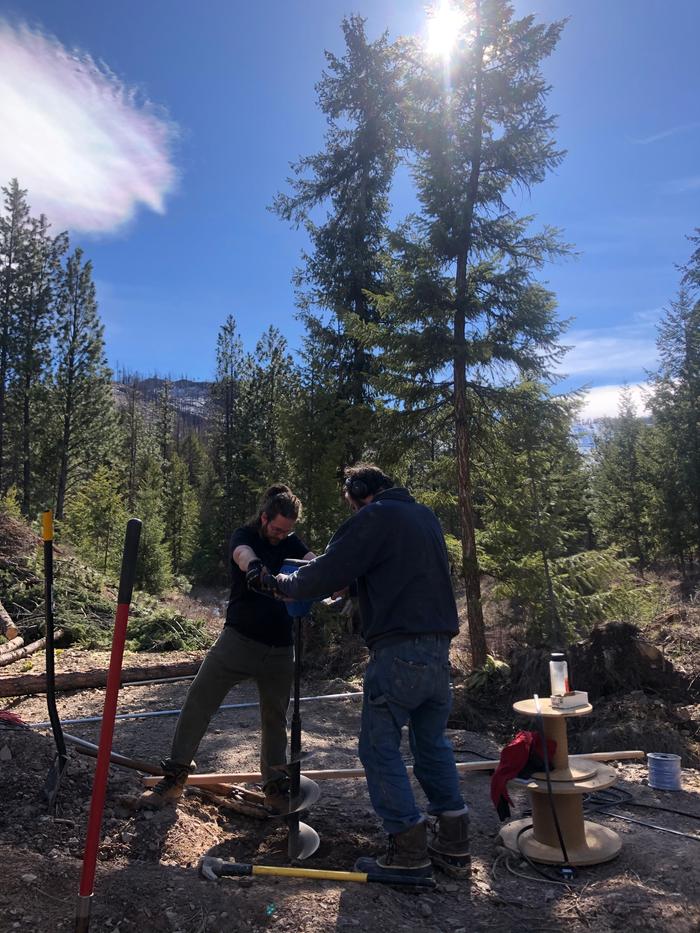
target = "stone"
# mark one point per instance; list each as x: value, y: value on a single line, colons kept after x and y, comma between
x: 5, y: 753
x: 29, y: 878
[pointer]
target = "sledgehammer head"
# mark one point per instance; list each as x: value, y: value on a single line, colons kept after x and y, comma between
x: 210, y: 867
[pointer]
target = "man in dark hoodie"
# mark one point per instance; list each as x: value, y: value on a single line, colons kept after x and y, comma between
x: 393, y: 549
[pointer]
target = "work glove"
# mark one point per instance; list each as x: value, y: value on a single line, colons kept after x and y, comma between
x: 255, y: 570
x: 259, y: 579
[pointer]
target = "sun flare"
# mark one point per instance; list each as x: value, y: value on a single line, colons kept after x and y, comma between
x: 444, y: 24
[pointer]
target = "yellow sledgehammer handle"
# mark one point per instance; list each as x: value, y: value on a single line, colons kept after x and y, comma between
x: 211, y: 868
x: 318, y: 874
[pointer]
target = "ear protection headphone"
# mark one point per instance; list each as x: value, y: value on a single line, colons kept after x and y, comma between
x: 357, y: 488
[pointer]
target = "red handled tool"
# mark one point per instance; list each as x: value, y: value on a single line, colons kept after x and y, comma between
x: 99, y: 787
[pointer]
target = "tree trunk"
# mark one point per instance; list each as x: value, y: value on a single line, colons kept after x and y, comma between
x: 7, y: 626
x: 11, y: 645
x: 26, y: 447
x: 9, y: 657
x: 28, y: 684
x: 470, y: 565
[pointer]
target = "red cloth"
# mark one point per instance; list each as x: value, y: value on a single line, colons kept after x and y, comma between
x: 11, y: 717
x: 523, y: 754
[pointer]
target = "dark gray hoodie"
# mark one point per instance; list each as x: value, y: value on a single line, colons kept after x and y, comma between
x: 395, y: 550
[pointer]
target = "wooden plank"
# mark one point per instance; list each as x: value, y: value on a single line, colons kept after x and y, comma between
x: 464, y: 767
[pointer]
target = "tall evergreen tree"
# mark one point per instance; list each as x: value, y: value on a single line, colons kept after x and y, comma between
x: 675, y: 401
x: 464, y: 297
x: 153, y: 566
x: 83, y: 381
x: 14, y: 237
x: 96, y: 518
x: 532, y: 487
x: 352, y: 176
x: 34, y: 328
x: 622, y: 490
x: 226, y: 434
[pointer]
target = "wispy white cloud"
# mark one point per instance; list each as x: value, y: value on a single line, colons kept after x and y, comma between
x: 616, y: 350
x: 88, y: 150
x: 665, y: 134
x: 604, y: 401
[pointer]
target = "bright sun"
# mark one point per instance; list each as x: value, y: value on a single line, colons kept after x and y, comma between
x: 444, y: 23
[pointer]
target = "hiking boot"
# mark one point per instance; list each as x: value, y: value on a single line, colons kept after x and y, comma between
x: 406, y: 854
x: 169, y: 789
x: 449, y: 847
x: 277, y: 797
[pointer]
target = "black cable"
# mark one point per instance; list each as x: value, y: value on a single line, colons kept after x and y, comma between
x: 550, y: 793
x: 617, y: 797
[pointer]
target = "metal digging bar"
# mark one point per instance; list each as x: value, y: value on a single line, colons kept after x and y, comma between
x: 53, y: 778
x: 303, y: 792
x: 99, y: 786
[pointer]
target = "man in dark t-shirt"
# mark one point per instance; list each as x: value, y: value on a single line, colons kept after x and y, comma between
x: 256, y: 644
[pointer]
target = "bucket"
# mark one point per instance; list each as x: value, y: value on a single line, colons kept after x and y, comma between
x: 664, y: 771
x: 300, y: 607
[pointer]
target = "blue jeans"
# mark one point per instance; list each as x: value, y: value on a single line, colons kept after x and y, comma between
x: 408, y: 683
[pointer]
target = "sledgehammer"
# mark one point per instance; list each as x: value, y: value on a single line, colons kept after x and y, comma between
x: 212, y: 868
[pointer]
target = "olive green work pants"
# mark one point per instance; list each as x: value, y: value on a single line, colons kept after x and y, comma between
x: 232, y: 660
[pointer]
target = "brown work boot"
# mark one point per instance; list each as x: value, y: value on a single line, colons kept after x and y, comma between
x: 449, y: 847
x: 406, y: 854
x: 168, y: 790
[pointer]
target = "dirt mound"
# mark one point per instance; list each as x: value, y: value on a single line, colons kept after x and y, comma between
x: 640, y: 721
x: 16, y: 538
x: 614, y: 659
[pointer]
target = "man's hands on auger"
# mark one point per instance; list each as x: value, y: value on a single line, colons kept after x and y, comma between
x: 259, y: 579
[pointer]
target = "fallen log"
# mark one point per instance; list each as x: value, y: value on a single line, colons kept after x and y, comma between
x: 9, y: 657
x: 7, y: 626
x: 27, y: 684
x: 11, y: 645
x: 464, y: 767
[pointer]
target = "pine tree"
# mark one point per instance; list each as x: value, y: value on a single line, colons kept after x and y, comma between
x: 83, y: 381
x: 96, y: 518
x: 531, y: 484
x: 14, y: 236
x: 675, y: 403
x: 352, y: 176
x: 622, y: 491
x: 34, y: 328
x: 270, y: 391
x: 463, y: 297
x: 181, y: 515
x: 226, y: 434
x: 153, y: 566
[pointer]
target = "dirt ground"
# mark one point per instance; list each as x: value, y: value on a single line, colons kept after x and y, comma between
x: 147, y: 878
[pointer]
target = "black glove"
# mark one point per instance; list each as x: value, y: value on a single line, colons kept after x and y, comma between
x: 253, y: 574
x: 259, y: 579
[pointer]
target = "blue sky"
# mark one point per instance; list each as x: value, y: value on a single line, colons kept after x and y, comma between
x: 159, y: 132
